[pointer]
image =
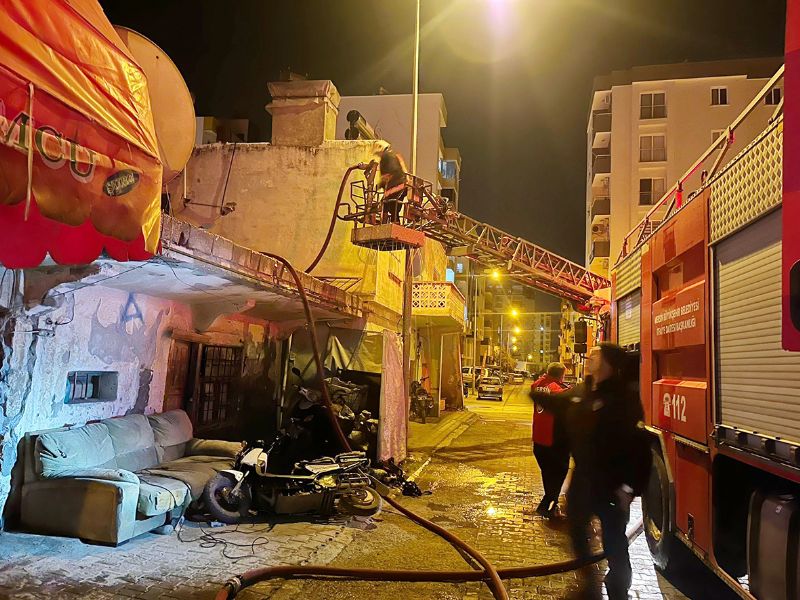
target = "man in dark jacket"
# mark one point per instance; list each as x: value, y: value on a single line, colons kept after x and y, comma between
x: 550, y: 444
x: 393, y: 182
x: 610, y: 451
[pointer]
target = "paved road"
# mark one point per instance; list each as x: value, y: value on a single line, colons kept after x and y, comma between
x: 483, y: 484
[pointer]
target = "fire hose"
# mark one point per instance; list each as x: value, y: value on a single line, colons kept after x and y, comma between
x: 488, y: 573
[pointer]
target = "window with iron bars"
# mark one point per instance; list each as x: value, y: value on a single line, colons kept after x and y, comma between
x: 220, y: 370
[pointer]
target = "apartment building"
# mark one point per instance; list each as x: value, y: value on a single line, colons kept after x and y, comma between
x: 646, y: 127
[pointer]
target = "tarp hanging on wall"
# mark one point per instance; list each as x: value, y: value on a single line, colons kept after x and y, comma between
x: 355, y: 350
x: 394, y: 420
x: 79, y: 167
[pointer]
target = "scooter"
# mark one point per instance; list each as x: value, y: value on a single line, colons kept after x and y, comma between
x: 268, y: 478
x: 312, y: 486
x: 421, y: 401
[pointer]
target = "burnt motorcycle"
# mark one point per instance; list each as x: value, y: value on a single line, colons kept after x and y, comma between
x: 271, y: 478
x: 313, y: 486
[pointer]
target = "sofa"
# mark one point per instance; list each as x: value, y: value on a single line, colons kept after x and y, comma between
x: 109, y: 481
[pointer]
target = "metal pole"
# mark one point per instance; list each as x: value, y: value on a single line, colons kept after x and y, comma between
x: 474, y: 329
x: 415, y: 95
x: 407, y: 287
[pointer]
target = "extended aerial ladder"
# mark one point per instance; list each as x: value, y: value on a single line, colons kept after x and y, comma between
x: 424, y: 212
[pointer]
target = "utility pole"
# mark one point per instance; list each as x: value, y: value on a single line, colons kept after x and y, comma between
x: 409, y: 272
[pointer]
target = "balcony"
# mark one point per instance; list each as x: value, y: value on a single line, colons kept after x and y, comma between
x: 437, y: 304
x: 601, y: 164
x: 601, y: 122
x: 601, y: 207
x: 600, y: 250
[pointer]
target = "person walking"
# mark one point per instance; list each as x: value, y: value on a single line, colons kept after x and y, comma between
x: 612, y: 462
x: 550, y: 444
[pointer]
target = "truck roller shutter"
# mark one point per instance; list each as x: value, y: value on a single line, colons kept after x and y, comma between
x: 629, y: 312
x: 758, y: 383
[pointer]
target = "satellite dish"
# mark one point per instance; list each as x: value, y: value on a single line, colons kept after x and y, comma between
x: 173, y: 109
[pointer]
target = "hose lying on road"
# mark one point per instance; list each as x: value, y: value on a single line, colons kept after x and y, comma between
x: 487, y: 574
x: 249, y: 578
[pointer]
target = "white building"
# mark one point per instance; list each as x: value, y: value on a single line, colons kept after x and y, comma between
x: 648, y: 125
x: 390, y: 116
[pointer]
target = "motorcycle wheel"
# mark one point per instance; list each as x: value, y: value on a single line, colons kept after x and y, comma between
x: 364, y: 502
x: 223, y: 507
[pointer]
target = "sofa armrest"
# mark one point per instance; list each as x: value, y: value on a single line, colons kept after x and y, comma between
x: 221, y: 448
x: 117, y: 475
x: 99, y: 510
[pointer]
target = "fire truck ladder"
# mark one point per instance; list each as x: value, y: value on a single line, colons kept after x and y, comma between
x: 390, y: 225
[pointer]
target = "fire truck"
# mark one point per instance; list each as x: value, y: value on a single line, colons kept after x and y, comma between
x: 708, y: 289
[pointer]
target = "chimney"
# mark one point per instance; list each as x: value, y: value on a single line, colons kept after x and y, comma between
x: 303, y: 112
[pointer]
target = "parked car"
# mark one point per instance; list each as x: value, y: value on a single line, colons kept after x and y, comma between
x: 490, y: 387
x: 518, y: 377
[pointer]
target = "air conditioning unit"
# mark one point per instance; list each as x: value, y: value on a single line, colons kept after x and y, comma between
x: 599, y: 229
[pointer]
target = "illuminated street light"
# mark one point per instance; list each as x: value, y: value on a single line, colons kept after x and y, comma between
x: 514, y: 312
x: 495, y: 274
x: 517, y: 329
x: 514, y: 348
x: 530, y: 356
x: 541, y: 328
x: 513, y: 339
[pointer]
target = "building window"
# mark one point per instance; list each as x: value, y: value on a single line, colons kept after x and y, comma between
x: 773, y: 97
x: 653, y: 105
x: 447, y: 168
x: 91, y: 386
x: 220, y: 369
x: 652, y: 148
x: 719, y: 96
x: 718, y: 135
x: 650, y: 190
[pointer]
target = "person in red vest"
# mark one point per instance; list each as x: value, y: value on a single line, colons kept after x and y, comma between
x: 550, y: 443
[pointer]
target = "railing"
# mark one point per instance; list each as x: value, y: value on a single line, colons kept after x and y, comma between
x: 420, y: 209
x: 437, y: 299
x: 673, y: 199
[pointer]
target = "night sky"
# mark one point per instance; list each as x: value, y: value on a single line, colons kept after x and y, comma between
x: 516, y: 74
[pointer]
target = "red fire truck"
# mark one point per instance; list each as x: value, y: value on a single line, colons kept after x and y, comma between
x: 708, y: 288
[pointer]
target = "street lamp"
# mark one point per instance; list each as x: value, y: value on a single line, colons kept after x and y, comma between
x: 495, y: 274
x: 514, y: 312
x: 517, y: 329
x: 530, y: 356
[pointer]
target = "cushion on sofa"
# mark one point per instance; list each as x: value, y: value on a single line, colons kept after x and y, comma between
x: 171, y: 430
x: 194, y: 471
x: 64, y: 452
x: 134, y: 444
x: 158, y: 495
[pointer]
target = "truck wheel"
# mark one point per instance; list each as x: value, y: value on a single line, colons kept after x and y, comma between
x: 657, y: 522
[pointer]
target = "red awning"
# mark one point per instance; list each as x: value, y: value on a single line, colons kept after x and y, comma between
x: 79, y: 167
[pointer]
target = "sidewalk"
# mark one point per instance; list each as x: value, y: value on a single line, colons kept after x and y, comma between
x: 425, y: 440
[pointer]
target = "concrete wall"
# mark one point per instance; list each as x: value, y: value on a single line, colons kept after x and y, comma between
x: 285, y: 196
x: 99, y: 329
x: 390, y: 116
